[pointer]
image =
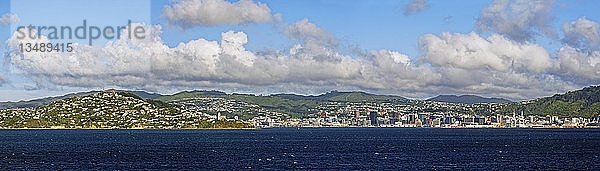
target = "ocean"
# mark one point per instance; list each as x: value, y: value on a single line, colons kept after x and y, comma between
x: 305, y: 148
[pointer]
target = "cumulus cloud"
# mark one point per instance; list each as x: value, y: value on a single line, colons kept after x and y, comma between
x: 313, y: 42
x: 150, y: 64
x: 579, y: 58
x: 189, y: 13
x: 451, y: 63
x: 9, y: 18
x: 519, y: 20
x: 471, y: 51
x: 501, y: 84
x: 415, y: 6
x: 306, y: 31
x: 392, y: 70
x: 390, y: 57
x: 580, y: 64
x: 496, y: 65
x: 137, y: 63
x: 582, y: 33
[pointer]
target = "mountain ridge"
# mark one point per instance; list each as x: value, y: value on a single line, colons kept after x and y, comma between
x: 585, y: 101
x: 339, y: 96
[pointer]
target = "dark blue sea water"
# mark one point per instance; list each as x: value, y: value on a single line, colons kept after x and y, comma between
x: 319, y: 149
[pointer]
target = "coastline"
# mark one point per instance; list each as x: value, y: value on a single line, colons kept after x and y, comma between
x: 128, y: 129
x: 208, y: 129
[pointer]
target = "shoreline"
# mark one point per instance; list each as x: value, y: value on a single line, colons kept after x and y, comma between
x: 128, y: 129
x: 208, y: 129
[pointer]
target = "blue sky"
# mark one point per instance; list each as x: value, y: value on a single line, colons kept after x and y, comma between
x: 355, y: 24
x: 369, y: 24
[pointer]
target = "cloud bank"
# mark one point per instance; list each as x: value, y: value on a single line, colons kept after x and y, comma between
x: 496, y: 65
x: 150, y: 64
x: 451, y: 62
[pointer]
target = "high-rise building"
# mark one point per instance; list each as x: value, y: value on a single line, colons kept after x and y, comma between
x: 412, y: 118
x: 373, y: 116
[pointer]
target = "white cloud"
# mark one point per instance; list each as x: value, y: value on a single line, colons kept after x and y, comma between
x: 582, y: 33
x: 502, y: 84
x: 391, y: 70
x: 233, y: 45
x: 150, y: 64
x: 415, y: 6
x: 306, y: 31
x: 451, y: 63
x: 9, y: 18
x: 470, y: 51
x: 579, y: 58
x: 126, y: 62
x: 496, y: 66
x: 519, y: 20
x: 390, y: 57
x: 580, y: 64
x: 189, y: 13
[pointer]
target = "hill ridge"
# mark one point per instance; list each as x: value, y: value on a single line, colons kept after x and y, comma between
x: 467, y: 99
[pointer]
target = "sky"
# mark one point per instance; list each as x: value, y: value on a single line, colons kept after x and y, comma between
x: 514, y: 49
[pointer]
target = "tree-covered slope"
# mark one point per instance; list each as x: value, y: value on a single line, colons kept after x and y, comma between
x: 578, y: 103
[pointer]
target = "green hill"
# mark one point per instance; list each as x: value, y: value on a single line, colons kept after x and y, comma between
x: 289, y: 103
x: 467, y: 99
x: 363, y: 97
x: 335, y: 96
x: 109, y: 109
x: 291, y: 106
x: 580, y: 103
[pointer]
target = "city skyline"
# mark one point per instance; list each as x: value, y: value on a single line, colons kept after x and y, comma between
x: 118, y: 109
x: 517, y: 50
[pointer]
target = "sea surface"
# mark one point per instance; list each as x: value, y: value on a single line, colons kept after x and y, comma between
x: 312, y: 149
